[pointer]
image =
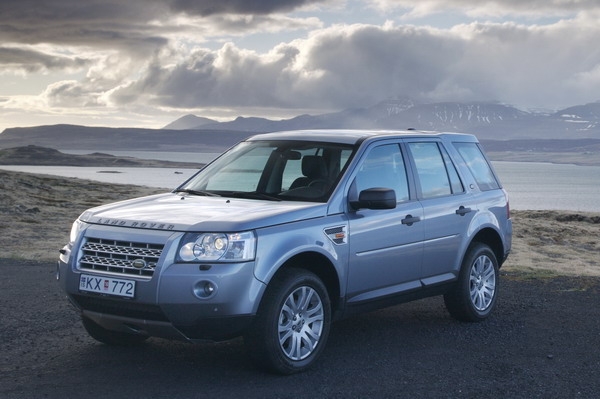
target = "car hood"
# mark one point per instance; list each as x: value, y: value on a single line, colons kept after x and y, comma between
x: 177, y: 212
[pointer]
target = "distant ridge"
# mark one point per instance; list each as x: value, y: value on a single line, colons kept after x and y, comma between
x: 73, y: 137
x: 485, y: 119
x: 488, y: 121
x: 35, y: 155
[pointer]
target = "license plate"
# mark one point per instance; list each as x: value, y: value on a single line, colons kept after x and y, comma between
x: 107, y: 285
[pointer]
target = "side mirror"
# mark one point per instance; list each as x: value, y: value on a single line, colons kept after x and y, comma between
x: 375, y: 198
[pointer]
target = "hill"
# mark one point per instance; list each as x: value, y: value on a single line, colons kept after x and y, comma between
x: 35, y: 155
x: 72, y: 137
x: 189, y: 121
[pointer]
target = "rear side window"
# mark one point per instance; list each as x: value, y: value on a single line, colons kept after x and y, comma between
x: 437, y: 175
x: 480, y: 169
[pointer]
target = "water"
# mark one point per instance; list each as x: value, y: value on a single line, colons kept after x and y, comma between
x: 152, y: 177
x: 534, y: 186
x: 198, y: 157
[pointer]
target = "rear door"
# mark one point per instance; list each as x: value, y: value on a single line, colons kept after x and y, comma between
x: 385, y: 245
x: 447, y: 209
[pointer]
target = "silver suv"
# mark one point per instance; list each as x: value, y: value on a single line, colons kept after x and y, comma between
x: 287, y: 232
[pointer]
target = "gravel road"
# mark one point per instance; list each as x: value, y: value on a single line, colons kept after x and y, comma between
x: 543, y: 341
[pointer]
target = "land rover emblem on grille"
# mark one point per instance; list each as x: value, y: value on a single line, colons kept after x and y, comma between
x: 139, y: 263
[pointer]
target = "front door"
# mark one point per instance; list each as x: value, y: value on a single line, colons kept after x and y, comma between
x: 385, y: 245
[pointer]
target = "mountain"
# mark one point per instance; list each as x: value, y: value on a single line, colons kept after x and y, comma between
x: 587, y: 115
x: 488, y: 121
x: 189, y: 122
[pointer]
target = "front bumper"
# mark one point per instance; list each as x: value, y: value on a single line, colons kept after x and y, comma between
x: 172, y: 303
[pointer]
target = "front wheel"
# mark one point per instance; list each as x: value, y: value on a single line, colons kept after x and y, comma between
x: 292, y: 324
x: 474, y: 296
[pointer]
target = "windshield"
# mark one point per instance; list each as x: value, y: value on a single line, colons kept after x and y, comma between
x: 274, y: 170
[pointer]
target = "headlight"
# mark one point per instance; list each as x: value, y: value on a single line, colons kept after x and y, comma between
x: 78, y: 225
x: 222, y: 247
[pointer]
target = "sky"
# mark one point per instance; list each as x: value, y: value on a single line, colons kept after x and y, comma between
x: 145, y: 63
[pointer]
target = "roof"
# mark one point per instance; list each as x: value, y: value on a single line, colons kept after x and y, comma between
x: 351, y: 136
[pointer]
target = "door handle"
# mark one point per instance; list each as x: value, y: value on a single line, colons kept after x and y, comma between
x: 462, y: 211
x: 410, y: 219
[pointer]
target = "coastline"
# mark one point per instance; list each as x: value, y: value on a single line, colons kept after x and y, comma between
x: 36, y: 213
x: 558, y: 158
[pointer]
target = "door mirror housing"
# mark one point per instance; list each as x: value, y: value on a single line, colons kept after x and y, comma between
x: 375, y: 198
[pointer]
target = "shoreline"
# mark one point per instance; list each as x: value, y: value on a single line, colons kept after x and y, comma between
x: 566, y: 158
x: 36, y: 213
x: 33, y: 155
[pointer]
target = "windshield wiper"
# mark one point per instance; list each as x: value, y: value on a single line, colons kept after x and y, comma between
x: 197, y: 192
x: 252, y: 195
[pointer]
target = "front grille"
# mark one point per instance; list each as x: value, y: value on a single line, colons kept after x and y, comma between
x: 120, y: 257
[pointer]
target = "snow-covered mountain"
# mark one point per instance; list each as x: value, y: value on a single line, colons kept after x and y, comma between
x: 487, y: 120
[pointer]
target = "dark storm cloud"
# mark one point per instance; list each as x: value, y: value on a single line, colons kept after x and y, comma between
x: 116, y: 22
x: 34, y: 61
x: 245, y: 7
x: 107, y: 23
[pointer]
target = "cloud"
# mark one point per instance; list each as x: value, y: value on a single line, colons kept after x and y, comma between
x: 236, y: 25
x: 358, y: 65
x: 65, y: 35
x: 145, y: 56
x: 31, y: 60
x: 489, y: 8
x: 139, y: 25
x: 245, y: 7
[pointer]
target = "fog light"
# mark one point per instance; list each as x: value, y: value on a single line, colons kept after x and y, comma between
x: 205, y: 289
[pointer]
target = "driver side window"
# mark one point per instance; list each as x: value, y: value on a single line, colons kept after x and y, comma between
x: 384, y: 167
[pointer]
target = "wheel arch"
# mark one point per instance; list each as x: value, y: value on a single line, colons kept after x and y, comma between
x: 322, y: 267
x: 492, y: 239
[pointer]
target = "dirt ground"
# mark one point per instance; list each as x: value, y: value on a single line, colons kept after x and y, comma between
x: 542, y: 341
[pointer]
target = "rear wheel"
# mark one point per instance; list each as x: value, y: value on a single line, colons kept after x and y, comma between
x: 292, y: 324
x: 474, y: 296
x: 111, y: 337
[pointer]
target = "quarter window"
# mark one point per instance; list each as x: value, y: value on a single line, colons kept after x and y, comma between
x: 478, y: 165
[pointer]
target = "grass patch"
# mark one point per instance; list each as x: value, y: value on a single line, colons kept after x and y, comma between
x: 516, y: 273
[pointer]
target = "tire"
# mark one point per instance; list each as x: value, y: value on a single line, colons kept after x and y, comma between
x: 474, y: 296
x: 109, y: 337
x: 292, y: 324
